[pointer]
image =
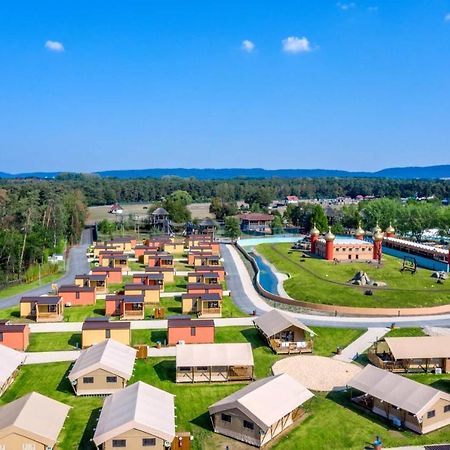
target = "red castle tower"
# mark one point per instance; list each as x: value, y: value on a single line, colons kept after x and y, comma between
x: 329, y: 246
x: 314, y: 235
x: 377, y: 245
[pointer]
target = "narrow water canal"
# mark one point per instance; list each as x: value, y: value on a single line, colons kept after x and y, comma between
x: 267, y: 278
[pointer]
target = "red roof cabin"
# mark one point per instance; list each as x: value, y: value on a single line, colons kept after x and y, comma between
x: 256, y: 222
x: 15, y: 336
x: 190, y: 331
x: 113, y: 274
x: 74, y: 295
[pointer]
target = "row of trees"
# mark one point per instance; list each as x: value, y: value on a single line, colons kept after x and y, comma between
x: 409, y: 218
x: 257, y: 192
x: 36, y: 220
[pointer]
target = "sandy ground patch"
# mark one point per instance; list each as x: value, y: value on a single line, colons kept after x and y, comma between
x: 317, y: 373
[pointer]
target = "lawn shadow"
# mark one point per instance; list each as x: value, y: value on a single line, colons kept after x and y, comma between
x: 203, y: 421
x: 15, y: 313
x: 158, y: 336
x: 86, y: 440
x: 252, y: 335
x: 64, y: 383
x: 342, y: 398
x: 442, y: 385
x: 99, y: 311
x: 165, y: 370
x: 75, y: 340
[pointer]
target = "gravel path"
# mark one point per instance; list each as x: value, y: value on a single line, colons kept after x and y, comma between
x: 317, y: 373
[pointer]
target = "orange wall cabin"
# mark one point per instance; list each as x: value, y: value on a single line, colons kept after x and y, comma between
x: 220, y: 270
x: 197, y: 253
x: 198, y: 239
x: 139, y: 250
x: 206, y: 260
x: 73, y: 295
x: 203, y: 277
x: 149, y: 279
x: 190, y: 331
x: 204, y: 288
x: 113, y: 275
x: 151, y: 293
x: 160, y: 260
x: 99, y: 282
x: 167, y: 272
x: 127, y: 307
x: 16, y: 336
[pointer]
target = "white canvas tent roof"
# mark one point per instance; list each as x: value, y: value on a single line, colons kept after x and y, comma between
x: 10, y: 360
x: 214, y: 355
x: 108, y: 355
x: 419, y: 347
x: 34, y: 416
x: 399, y: 391
x: 275, y: 321
x: 139, y: 406
x: 266, y: 401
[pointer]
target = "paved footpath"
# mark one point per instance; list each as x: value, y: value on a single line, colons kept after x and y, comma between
x: 50, y: 357
x: 361, y: 344
x: 74, y: 327
x: 248, y: 300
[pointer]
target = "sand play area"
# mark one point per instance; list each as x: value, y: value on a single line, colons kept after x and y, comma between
x: 317, y: 373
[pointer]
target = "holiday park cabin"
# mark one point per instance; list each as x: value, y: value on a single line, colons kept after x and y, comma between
x: 11, y: 360
x: 14, y: 335
x: 126, y: 307
x: 184, y: 330
x: 204, y: 305
x: 75, y: 295
x: 97, y: 329
x: 151, y: 293
x: 47, y: 308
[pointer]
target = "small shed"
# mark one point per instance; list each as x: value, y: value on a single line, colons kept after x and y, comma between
x: 14, y: 335
x: 95, y: 330
x: 74, y: 295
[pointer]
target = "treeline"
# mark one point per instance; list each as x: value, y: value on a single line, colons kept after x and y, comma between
x: 411, y: 218
x: 105, y: 191
x: 37, y: 219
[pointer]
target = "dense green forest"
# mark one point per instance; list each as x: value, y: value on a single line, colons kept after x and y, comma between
x: 104, y: 191
x: 37, y: 218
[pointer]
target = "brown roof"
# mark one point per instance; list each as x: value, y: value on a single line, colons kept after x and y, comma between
x: 209, y: 268
x: 105, y: 325
x: 187, y: 323
x: 106, y: 269
x: 91, y: 277
x: 256, y: 217
x: 44, y: 300
x: 75, y: 288
x: 209, y: 296
x: 140, y: 287
x: 12, y: 327
x: 203, y: 286
x: 125, y: 298
x: 159, y: 269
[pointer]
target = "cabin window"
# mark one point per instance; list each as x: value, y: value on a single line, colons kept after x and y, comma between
x: 184, y: 369
x: 111, y: 379
x: 77, y: 295
x: 1, y: 337
x: 88, y: 380
x: 202, y: 368
x: 226, y: 418
x: 249, y: 425
x: 193, y: 331
x: 148, y: 442
x: 446, y: 407
x: 119, y: 443
x: 107, y: 334
x: 431, y: 414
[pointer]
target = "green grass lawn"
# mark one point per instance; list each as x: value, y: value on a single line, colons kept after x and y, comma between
x: 47, y: 342
x: 405, y: 332
x: 410, y: 290
x: 23, y: 287
x: 332, y: 420
x: 179, y: 285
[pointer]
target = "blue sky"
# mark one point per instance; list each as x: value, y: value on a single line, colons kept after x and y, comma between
x: 93, y: 85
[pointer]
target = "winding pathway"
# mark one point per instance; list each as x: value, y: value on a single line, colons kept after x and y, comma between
x: 77, y: 262
x: 245, y: 296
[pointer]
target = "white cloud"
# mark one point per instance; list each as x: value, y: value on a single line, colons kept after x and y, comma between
x: 447, y: 17
x: 294, y: 44
x: 345, y: 6
x: 54, y: 46
x: 247, y: 46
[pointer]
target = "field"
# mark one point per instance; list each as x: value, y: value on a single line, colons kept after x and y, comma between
x: 319, y: 281
x: 331, y: 418
x: 98, y: 213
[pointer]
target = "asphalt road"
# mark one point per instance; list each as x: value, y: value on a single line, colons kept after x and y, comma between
x: 248, y: 300
x: 77, y: 263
